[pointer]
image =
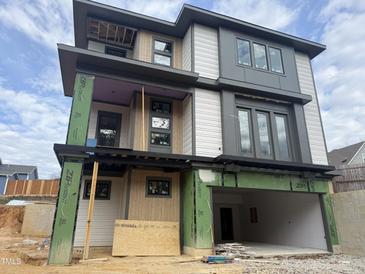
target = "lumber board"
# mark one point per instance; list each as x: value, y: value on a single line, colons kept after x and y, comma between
x: 146, y: 238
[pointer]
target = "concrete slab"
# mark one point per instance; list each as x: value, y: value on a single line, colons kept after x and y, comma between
x: 256, y: 249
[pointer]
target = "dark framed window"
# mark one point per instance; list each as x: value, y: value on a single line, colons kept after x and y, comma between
x: 243, y: 52
x: 162, y: 52
x: 116, y: 51
x: 263, y: 129
x: 160, y: 126
x: 259, y: 52
x: 263, y: 125
x: 102, y: 191
x: 158, y: 187
x: 276, y: 60
x: 244, y: 119
x: 108, y: 129
x: 281, y: 123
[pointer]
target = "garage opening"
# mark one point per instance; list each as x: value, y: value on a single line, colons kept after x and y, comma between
x: 269, y: 221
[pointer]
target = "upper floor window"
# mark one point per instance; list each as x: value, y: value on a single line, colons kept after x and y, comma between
x: 162, y: 52
x: 263, y: 133
x: 264, y: 57
x: 259, y: 52
x: 108, y: 129
x: 275, y: 60
x: 244, y: 52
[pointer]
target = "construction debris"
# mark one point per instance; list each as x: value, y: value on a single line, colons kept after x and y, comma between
x: 235, y: 250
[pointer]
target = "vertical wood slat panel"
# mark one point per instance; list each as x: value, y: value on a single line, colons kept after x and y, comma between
x: 153, y: 208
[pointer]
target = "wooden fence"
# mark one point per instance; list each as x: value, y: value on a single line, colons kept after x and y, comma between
x: 32, y: 187
x: 352, y: 178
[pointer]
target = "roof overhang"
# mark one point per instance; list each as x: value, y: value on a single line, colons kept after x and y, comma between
x: 179, y: 161
x: 73, y: 59
x: 188, y: 15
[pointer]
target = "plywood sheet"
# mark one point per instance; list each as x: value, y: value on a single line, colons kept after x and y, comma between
x: 146, y: 238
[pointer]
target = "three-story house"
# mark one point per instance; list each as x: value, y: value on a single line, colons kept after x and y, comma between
x: 209, y: 121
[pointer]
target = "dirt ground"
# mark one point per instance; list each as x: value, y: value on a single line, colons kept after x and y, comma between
x: 22, y: 255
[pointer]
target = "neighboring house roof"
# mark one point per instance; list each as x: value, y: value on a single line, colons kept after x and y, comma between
x: 188, y: 15
x: 343, y: 156
x: 14, y: 169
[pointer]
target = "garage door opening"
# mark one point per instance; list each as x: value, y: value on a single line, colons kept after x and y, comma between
x: 265, y: 221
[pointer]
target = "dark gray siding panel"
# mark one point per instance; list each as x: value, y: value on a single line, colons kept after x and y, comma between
x: 229, y: 68
x: 229, y: 122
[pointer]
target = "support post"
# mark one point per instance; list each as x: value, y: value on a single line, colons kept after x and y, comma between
x: 143, y: 128
x: 90, y: 210
x: 63, y: 231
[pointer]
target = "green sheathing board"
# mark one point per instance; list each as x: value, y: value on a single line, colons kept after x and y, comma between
x: 330, y: 218
x: 263, y: 181
x: 63, y: 227
x: 65, y: 218
x: 188, y: 211
x: 80, y: 112
x: 203, y: 203
x: 229, y: 180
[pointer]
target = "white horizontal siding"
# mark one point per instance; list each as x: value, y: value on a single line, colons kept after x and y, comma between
x: 105, y: 213
x: 187, y: 126
x: 206, y: 51
x: 124, y: 111
x: 186, y: 51
x: 208, y: 126
x: 311, y: 110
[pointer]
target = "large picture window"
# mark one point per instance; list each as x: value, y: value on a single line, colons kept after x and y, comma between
x: 243, y: 52
x: 260, y: 56
x: 276, y: 60
x: 162, y: 52
x: 263, y: 130
x: 108, y: 129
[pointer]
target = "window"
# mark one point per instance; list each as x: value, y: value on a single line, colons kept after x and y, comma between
x: 158, y: 187
x: 276, y: 60
x: 115, y: 51
x: 264, y: 135
x: 244, y: 52
x: 162, y: 52
x: 260, y: 56
x: 108, y: 129
x: 160, y: 129
x: 102, y: 191
x: 245, y: 131
x: 263, y: 129
x: 282, y: 132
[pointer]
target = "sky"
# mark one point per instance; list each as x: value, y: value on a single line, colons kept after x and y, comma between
x: 34, y: 112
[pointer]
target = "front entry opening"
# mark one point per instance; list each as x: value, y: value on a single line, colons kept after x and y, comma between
x: 226, y: 223
x: 264, y: 218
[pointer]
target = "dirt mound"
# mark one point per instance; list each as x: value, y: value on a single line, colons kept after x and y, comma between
x: 11, y: 219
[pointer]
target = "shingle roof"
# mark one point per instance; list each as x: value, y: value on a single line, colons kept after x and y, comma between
x: 343, y: 156
x: 12, y: 169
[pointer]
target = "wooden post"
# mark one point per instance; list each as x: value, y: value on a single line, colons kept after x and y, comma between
x: 143, y: 129
x: 91, y: 210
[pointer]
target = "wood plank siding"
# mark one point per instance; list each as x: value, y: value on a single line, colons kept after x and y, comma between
x: 206, y: 51
x: 208, y: 126
x: 142, y: 207
x: 311, y: 110
x: 143, y: 47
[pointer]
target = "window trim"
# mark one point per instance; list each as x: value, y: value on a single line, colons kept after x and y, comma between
x: 156, y: 147
x: 281, y: 58
x: 87, y: 181
x: 254, y: 57
x: 157, y: 178
x: 237, y: 53
x: 97, y: 131
x: 155, y: 51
